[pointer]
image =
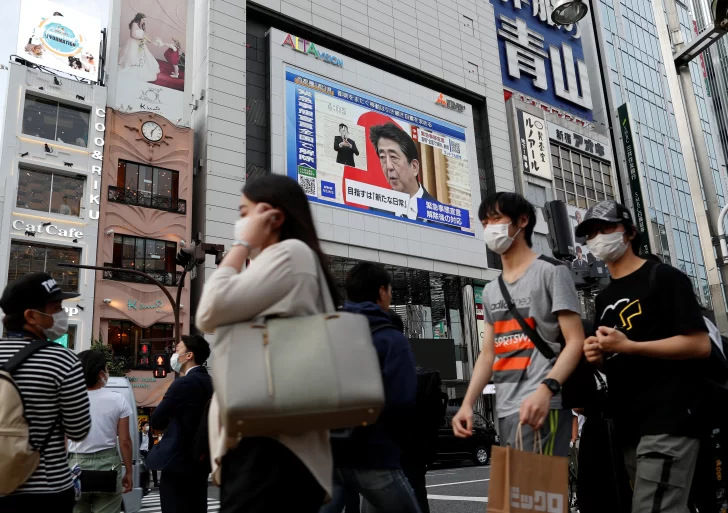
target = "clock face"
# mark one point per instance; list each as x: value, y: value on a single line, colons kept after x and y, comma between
x: 152, y: 131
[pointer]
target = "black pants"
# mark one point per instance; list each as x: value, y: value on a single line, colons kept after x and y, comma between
x: 262, y: 476
x: 60, y: 502
x: 415, y: 473
x: 145, y: 479
x: 183, y: 492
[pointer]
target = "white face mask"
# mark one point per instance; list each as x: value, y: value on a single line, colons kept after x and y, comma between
x: 608, y: 247
x: 240, y: 226
x: 497, y: 239
x: 175, y: 363
x: 60, y: 325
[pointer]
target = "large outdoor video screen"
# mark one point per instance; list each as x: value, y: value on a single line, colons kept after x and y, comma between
x: 354, y: 150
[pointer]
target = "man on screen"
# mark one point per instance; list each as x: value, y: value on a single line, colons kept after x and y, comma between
x: 345, y: 148
x: 400, y: 163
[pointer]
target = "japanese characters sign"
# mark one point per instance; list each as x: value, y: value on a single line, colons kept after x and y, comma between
x: 357, y: 151
x: 635, y: 187
x: 541, y: 59
x: 580, y: 142
x: 533, y: 144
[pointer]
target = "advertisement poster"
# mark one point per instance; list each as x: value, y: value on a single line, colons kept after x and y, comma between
x: 533, y: 142
x: 354, y: 150
x: 59, y: 38
x: 479, y: 314
x: 150, y: 74
x: 584, y: 261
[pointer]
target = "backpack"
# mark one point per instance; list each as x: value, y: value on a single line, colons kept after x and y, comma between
x: 18, y: 458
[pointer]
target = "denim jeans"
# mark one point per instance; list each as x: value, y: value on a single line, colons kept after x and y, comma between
x: 384, y: 491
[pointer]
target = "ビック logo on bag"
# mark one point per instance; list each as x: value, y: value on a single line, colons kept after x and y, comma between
x: 539, y: 501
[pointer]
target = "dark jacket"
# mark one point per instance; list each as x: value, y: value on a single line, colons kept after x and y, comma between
x: 345, y: 155
x: 179, y: 413
x: 377, y: 446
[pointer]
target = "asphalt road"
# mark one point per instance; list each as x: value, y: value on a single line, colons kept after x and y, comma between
x: 450, y: 489
x: 458, y: 489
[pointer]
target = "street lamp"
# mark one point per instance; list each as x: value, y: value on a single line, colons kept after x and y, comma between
x: 567, y: 12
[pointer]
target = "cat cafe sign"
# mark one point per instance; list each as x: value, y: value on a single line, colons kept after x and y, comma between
x: 37, y: 228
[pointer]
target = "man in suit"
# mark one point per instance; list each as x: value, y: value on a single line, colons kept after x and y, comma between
x: 400, y: 163
x: 146, y: 441
x: 580, y: 264
x: 345, y: 148
x: 183, y: 488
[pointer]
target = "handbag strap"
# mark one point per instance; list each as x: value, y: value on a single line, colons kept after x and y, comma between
x: 543, y: 348
x: 326, y: 300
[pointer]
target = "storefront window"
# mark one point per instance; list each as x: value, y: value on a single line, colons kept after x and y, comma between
x: 126, y: 338
x: 50, y: 192
x: 55, y: 121
x: 156, y: 257
x: 147, y: 186
x: 30, y: 258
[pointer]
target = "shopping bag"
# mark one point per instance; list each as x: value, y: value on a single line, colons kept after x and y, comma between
x: 524, y: 482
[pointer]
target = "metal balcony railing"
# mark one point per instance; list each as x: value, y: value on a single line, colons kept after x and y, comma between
x: 170, y: 279
x: 145, y: 199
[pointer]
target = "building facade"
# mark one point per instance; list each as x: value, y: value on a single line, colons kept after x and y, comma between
x: 50, y: 179
x: 280, y: 79
x: 143, y: 223
x: 636, y: 59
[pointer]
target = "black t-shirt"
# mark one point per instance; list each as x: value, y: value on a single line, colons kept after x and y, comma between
x: 651, y: 395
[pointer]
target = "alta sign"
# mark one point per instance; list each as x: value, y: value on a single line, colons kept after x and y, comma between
x: 307, y: 47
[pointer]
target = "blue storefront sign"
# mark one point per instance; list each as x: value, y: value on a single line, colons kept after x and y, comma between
x: 540, y: 59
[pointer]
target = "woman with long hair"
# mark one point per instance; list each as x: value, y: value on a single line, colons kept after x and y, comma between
x: 110, y: 414
x: 136, y: 61
x: 276, y: 231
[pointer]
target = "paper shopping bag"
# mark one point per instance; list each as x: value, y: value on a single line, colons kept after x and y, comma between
x: 525, y: 482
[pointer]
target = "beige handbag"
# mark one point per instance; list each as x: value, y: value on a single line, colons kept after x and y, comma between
x: 298, y: 374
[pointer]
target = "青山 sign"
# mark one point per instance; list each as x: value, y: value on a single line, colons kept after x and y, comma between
x: 449, y: 104
x: 533, y: 144
x: 634, y: 177
x: 60, y: 38
x: 133, y: 304
x: 47, y: 228
x: 540, y: 59
x: 579, y: 142
x: 307, y: 47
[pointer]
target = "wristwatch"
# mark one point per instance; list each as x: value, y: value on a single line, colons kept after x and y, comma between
x: 243, y: 243
x: 553, y: 385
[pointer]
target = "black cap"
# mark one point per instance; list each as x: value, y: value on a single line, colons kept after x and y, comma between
x: 608, y: 211
x: 32, y: 290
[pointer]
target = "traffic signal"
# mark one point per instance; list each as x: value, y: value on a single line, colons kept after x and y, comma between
x: 191, y: 256
x: 160, y: 365
x: 719, y: 10
x: 145, y: 353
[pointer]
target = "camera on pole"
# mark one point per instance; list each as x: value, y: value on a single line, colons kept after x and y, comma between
x: 191, y: 256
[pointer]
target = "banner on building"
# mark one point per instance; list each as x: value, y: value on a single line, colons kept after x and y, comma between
x: 59, y: 38
x: 151, y: 66
x: 534, y: 146
x: 580, y: 142
x: 635, y: 186
x: 355, y: 150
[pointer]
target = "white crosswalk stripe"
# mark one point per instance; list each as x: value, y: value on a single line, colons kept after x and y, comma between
x: 150, y: 504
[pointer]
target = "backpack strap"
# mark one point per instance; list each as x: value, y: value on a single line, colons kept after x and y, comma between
x: 19, y: 358
x: 542, y: 347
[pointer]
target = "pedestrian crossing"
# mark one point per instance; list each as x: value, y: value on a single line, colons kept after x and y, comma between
x: 150, y: 504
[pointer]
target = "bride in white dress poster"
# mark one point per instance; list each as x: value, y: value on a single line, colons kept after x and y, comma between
x: 136, y: 61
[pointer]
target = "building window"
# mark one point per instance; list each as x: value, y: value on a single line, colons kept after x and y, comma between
x: 126, y: 338
x: 580, y: 181
x: 69, y: 339
x: 147, y: 186
x: 49, y: 119
x: 154, y: 257
x: 28, y: 257
x: 50, y: 192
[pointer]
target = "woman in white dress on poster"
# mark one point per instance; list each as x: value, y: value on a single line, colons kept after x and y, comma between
x: 135, y: 60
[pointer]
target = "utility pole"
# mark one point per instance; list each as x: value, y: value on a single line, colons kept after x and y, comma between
x: 706, y: 218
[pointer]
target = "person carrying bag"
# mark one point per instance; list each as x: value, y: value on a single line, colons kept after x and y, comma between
x: 280, y: 340
x: 522, y: 481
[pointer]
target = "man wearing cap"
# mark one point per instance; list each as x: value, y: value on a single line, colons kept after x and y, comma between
x: 52, y: 386
x: 651, y: 340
